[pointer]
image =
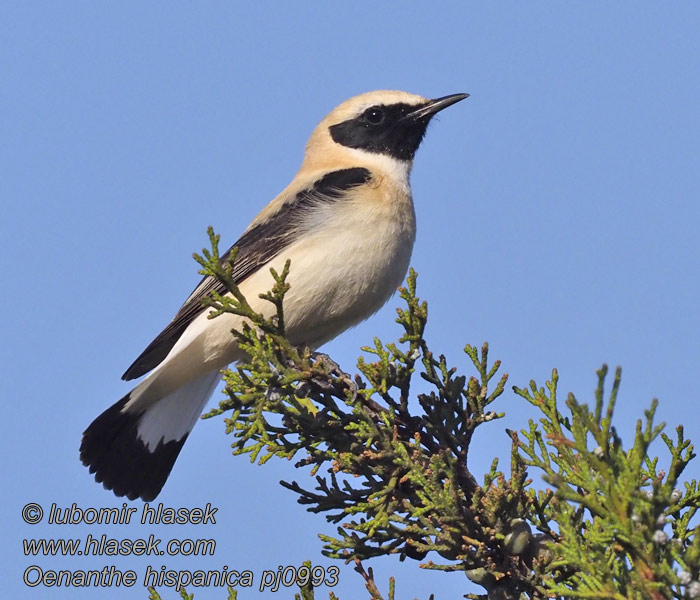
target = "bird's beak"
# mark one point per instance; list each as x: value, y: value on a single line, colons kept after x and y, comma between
x: 436, y: 105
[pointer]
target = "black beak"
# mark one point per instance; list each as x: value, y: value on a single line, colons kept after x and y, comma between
x: 436, y: 105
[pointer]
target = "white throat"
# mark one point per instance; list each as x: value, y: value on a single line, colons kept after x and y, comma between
x: 399, y: 171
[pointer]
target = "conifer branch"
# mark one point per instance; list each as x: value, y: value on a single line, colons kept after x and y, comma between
x: 390, y: 463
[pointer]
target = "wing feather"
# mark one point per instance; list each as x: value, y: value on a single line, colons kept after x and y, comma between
x: 256, y: 247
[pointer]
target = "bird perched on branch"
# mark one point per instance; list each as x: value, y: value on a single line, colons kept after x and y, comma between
x: 346, y: 222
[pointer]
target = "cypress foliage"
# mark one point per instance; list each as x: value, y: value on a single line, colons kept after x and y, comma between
x: 391, y: 467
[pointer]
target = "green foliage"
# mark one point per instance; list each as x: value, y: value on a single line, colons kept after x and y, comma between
x: 154, y: 595
x: 391, y: 464
x: 611, y: 505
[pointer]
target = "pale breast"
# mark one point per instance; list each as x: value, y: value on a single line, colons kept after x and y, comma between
x: 349, y: 265
x: 349, y: 261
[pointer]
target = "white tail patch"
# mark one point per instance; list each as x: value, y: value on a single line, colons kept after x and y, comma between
x: 174, y: 416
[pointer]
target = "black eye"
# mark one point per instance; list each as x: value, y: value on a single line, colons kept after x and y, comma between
x: 374, y: 115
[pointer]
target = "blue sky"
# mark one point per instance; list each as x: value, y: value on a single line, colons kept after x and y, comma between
x: 558, y: 212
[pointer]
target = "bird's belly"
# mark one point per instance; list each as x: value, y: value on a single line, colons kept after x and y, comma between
x: 339, y: 278
x: 340, y: 274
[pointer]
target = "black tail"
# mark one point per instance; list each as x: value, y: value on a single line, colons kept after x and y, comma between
x: 119, y: 459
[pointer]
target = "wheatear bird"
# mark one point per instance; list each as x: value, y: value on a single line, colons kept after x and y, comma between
x: 346, y: 222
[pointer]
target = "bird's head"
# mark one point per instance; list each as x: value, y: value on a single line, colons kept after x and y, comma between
x: 382, y: 123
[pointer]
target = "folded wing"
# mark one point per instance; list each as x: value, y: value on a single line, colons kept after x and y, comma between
x: 256, y: 247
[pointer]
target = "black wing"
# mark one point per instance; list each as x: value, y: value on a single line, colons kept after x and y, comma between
x: 256, y: 247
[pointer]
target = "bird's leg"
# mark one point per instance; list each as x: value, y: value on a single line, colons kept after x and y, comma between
x: 334, y: 370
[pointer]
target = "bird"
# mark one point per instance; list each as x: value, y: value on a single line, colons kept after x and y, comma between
x: 347, y: 224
